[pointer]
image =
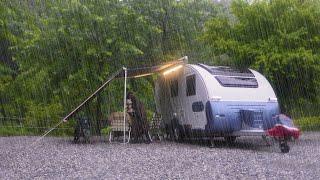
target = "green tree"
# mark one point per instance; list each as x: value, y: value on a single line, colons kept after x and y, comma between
x: 179, y: 23
x: 278, y: 38
x: 58, y: 52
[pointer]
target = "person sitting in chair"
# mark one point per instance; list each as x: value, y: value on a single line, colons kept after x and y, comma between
x: 139, y: 125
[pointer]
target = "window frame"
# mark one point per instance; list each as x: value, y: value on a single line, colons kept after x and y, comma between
x: 193, y: 85
x: 197, y: 106
x: 174, y: 88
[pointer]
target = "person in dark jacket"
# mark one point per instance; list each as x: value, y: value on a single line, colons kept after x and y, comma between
x: 140, y: 125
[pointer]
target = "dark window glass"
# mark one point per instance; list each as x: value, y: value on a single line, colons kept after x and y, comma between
x: 174, y: 88
x: 191, y: 85
x: 237, y: 82
x: 197, y: 106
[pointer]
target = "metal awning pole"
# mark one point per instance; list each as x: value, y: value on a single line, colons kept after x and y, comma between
x: 124, y: 104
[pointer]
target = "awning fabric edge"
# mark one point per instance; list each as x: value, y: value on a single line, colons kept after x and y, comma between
x: 150, y: 70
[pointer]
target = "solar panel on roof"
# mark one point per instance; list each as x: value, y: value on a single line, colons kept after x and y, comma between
x: 227, y: 71
x: 229, y: 81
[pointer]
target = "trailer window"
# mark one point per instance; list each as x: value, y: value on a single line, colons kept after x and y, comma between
x: 174, y: 88
x: 244, y: 82
x: 197, y: 106
x: 191, y: 85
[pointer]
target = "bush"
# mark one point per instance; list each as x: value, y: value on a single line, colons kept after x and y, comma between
x: 105, y: 131
x: 308, y: 123
x: 14, y: 131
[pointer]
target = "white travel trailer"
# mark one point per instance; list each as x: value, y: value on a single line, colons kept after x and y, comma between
x: 215, y: 101
x: 209, y: 101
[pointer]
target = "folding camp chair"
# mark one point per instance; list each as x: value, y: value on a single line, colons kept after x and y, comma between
x: 116, y: 124
x: 156, y: 126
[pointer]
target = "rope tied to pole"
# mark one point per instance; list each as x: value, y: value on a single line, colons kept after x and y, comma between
x: 65, y: 119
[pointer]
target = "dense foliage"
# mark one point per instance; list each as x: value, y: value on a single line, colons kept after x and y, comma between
x: 54, y: 53
x: 281, y: 39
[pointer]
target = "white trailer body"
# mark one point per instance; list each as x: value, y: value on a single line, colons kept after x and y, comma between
x: 216, y: 100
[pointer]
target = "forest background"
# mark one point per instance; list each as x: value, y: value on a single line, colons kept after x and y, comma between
x: 53, y: 54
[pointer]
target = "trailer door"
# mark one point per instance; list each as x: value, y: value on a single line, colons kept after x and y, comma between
x: 195, y: 101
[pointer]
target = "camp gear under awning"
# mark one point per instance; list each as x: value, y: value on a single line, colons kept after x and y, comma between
x: 129, y: 73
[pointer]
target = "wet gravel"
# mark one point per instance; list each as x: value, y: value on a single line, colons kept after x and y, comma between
x: 248, y: 158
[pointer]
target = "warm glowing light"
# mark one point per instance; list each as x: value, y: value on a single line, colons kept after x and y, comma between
x: 172, y: 69
x: 142, y: 75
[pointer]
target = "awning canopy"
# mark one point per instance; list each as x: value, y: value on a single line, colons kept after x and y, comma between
x: 131, y: 73
x: 146, y: 71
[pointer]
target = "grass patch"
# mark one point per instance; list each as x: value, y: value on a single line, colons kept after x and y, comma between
x: 308, y: 123
x: 10, y: 130
x: 14, y: 131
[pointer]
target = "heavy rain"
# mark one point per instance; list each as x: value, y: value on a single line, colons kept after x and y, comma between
x: 160, y: 89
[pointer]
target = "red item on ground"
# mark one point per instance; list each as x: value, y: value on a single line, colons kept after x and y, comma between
x: 280, y: 131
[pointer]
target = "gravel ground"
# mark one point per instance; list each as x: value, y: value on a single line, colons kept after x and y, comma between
x: 248, y: 158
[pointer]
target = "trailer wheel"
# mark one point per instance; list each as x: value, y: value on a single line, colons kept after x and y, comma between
x: 230, y: 139
x: 284, y: 147
x: 177, y: 134
x: 177, y: 130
